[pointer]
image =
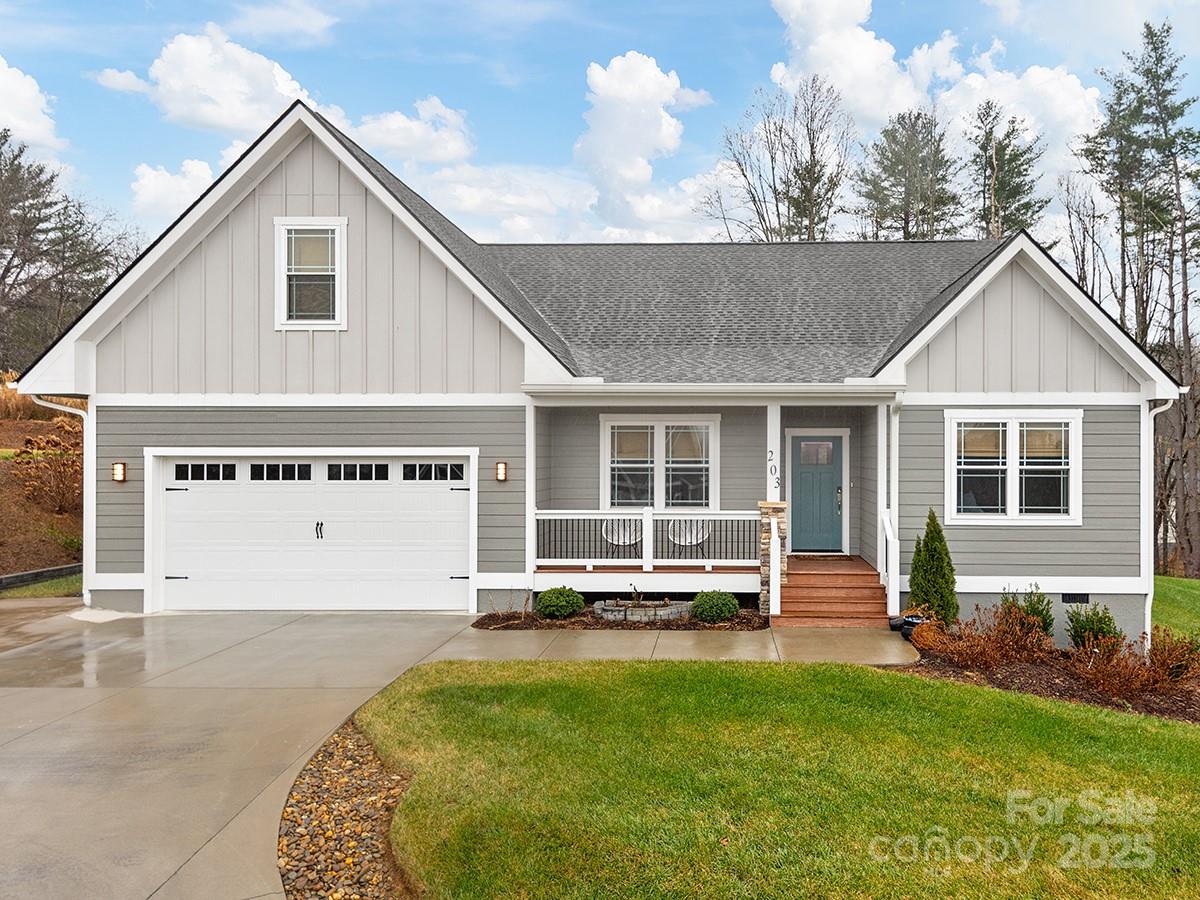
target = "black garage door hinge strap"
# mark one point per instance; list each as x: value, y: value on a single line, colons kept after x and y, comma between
x: 177, y: 578
x: 460, y: 577
x: 176, y: 489
x: 460, y: 488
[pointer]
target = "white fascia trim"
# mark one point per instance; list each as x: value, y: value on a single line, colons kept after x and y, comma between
x: 153, y: 509
x: 282, y: 225
x: 1013, y: 417
x: 1030, y: 255
x: 836, y: 390
x: 1051, y: 584
x: 711, y: 420
x: 671, y: 582
x: 912, y: 398
x: 189, y: 231
x: 308, y: 400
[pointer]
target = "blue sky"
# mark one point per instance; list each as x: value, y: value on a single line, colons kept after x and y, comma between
x: 526, y: 119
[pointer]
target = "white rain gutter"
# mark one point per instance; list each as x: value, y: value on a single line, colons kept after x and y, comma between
x: 1155, y: 412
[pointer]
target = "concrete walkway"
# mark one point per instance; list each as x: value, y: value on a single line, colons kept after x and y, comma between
x: 151, y: 757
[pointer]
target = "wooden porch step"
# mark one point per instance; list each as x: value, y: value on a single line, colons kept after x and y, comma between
x: 832, y: 579
x: 822, y: 606
x: 833, y: 593
x: 829, y: 621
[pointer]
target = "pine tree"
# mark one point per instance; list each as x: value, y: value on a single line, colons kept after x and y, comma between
x: 907, y: 183
x: 1004, y: 175
x: 931, y: 575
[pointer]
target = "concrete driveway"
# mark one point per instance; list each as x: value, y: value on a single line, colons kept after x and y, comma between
x: 151, y: 757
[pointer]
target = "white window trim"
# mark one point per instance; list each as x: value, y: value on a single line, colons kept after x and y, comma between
x: 1013, y: 418
x: 338, y: 224
x: 660, y: 423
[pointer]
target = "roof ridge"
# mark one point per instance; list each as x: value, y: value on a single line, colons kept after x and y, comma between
x: 502, y: 244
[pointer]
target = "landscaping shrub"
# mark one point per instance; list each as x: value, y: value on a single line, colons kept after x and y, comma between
x: 714, y: 606
x: 50, y: 467
x: 1173, y: 657
x: 1034, y: 604
x: 931, y: 575
x: 558, y: 603
x: 994, y: 636
x: 1090, y: 625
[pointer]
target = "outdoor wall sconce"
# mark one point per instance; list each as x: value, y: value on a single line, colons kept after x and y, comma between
x: 502, y: 471
x: 118, y: 471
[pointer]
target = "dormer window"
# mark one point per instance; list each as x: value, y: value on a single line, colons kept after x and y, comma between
x: 310, y: 273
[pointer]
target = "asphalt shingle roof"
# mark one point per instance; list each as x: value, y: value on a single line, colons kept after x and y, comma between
x: 760, y: 313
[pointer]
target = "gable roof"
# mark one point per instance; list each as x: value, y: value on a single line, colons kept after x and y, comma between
x: 754, y: 313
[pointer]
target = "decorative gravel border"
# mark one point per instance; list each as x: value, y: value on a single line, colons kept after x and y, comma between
x: 333, y: 835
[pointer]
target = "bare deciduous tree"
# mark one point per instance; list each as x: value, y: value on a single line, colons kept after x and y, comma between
x: 785, y: 167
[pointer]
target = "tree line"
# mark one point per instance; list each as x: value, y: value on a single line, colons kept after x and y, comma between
x: 792, y: 170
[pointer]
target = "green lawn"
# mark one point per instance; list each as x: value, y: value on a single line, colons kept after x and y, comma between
x: 1176, y: 603
x: 539, y: 779
x: 67, y: 586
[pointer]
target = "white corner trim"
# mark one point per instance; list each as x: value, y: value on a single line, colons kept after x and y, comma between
x: 847, y: 487
x: 1051, y: 584
x: 711, y: 420
x: 1012, y: 418
x: 153, y: 508
x: 1146, y: 511
x: 282, y: 225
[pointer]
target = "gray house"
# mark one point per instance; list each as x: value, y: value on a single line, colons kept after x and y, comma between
x: 313, y: 391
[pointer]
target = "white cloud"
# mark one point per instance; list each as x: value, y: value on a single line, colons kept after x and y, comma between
x: 25, y: 110
x: 437, y: 134
x: 209, y: 81
x: 828, y: 37
x: 297, y: 21
x: 629, y: 126
x: 1008, y: 10
x: 161, y: 195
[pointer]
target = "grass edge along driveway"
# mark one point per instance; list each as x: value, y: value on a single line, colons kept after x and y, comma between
x: 542, y: 779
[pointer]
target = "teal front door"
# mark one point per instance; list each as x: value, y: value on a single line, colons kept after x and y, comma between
x: 816, y: 489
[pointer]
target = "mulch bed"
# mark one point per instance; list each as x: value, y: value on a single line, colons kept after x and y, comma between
x: 333, y: 836
x: 745, y: 620
x: 1050, y: 679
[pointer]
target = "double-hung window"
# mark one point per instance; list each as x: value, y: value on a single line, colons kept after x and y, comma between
x: 1014, y: 467
x: 660, y: 463
x: 310, y: 273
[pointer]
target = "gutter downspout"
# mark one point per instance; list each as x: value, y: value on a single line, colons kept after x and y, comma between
x: 88, y: 549
x: 1155, y: 412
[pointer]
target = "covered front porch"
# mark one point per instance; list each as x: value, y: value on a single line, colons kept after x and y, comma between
x: 789, y: 501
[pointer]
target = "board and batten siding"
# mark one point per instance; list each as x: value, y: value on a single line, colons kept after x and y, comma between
x: 1014, y: 336
x: 571, y: 461
x: 209, y: 325
x: 122, y: 433
x: 1107, y: 544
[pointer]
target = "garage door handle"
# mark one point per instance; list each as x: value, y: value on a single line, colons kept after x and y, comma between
x: 319, y: 528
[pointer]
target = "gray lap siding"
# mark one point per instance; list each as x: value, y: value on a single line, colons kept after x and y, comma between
x: 568, y: 461
x: 122, y: 433
x: 1106, y: 544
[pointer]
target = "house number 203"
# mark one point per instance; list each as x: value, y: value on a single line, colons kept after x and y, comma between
x: 772, y: 469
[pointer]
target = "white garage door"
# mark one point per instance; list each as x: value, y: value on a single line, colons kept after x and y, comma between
x: 317, y: 533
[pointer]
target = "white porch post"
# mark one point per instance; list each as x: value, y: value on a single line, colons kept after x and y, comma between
x: 893, y: 484
x: 881, y: 493
x: 647, y: 539
x: 774, y: 466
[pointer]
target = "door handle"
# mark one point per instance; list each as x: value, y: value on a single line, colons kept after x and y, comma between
x: 839, y: 499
